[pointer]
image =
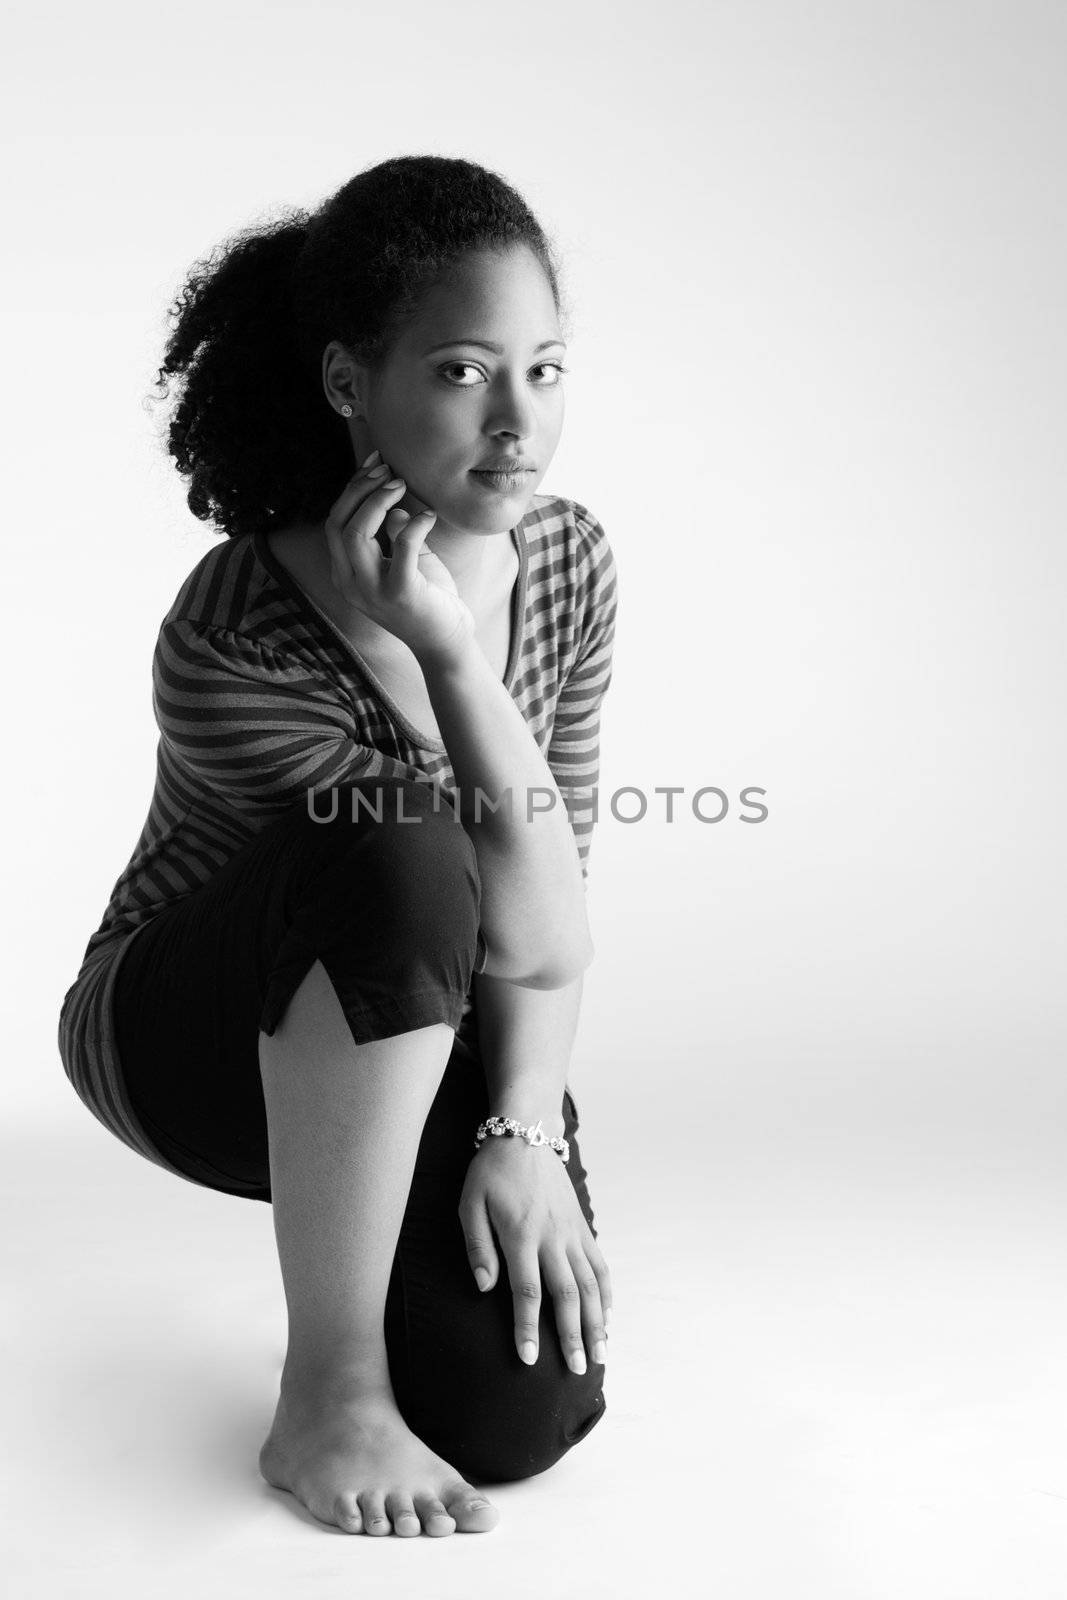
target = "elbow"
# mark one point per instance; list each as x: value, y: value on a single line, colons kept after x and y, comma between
x: 560, y: 971
x: 550, y: 951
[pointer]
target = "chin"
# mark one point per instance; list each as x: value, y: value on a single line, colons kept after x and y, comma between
x: 501, y: 509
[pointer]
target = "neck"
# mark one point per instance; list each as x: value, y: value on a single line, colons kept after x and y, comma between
x: 473, y: 559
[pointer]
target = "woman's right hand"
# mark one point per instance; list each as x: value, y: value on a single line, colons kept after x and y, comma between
x: 411, y: 594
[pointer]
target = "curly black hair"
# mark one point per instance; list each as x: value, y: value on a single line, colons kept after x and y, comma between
x: 251, y: 429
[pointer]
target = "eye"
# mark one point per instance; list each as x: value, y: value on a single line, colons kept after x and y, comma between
x: 459, y: 366
x: 469, y: 366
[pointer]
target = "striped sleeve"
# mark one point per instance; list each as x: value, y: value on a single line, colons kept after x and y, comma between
x: 251, y: 724
x: 574, y: 750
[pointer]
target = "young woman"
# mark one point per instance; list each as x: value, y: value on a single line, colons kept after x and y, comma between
x: 354, y: 926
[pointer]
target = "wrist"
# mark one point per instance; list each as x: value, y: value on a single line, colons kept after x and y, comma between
x: 529, y: 1116
x: 503, y: 1129
x: 457, y: 654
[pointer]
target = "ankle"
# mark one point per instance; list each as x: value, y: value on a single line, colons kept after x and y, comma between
x: 315, y: 1378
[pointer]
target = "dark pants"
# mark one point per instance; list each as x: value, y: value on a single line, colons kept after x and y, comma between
x: 391, y: 909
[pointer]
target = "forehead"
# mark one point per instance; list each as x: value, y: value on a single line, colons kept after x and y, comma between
x: 488, y: 294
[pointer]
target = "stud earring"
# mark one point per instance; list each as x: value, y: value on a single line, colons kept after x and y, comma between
x: 346, y: 410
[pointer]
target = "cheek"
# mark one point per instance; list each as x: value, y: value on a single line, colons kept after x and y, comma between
x: 432, y: 435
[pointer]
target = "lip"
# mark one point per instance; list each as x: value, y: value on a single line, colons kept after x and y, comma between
x: 501, y: 479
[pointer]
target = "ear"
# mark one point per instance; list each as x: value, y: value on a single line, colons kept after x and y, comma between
x: 344, y: 381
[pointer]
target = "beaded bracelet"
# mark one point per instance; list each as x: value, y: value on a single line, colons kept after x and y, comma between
x: 508, y: 1128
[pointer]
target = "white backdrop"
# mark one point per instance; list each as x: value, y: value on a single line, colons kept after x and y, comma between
x: 816, y: 254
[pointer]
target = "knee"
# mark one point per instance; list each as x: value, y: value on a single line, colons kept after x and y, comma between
x: 497, y: 1420
x: 528, y: 1426
x: 403, y: 848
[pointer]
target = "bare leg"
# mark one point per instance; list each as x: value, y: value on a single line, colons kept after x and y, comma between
x: 344, y: 1123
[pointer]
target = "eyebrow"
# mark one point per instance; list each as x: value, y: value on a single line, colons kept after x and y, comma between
x: 497, y: 349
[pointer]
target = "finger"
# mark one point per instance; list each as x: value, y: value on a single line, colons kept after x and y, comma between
x: 360, y: 509
x: 567, y: 1305
x: 372, y: 474
x: 408, y: 534
x: 481, y: 1252
x: 592, y: 1308
x: 595, y: 1257
x: 352, y: 523
x: 524, y: 1274
x: 369, y: 477
x: 343, y: 567
x: 360, y: 535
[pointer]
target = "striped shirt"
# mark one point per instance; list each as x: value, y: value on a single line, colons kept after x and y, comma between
x: 260, y: 700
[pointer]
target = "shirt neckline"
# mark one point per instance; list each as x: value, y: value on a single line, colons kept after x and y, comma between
x: 283, y: 577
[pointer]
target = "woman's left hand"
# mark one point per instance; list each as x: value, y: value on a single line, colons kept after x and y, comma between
x: 524, y: 1193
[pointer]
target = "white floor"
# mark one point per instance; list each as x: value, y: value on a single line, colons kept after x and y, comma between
x: 838, y: 1368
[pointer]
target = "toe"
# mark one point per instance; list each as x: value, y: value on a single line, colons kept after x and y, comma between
x: 435, y: 1519
x: 402, y: 1514
x: 372, y: 1505
x: 472, y: 1512
x: 347, y: 1514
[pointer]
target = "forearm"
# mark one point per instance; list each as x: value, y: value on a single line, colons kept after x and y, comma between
x: 526, y: 1037
x: 533, y: 900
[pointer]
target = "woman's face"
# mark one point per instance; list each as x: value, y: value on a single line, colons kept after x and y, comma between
x: 445, y: 405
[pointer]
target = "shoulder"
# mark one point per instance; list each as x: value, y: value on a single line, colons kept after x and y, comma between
x: 572, y: 571
x: 231, y: 603
x: 220, y: 585
x: 568, y: 519
x: 572, y: 541
x: 228, y: 620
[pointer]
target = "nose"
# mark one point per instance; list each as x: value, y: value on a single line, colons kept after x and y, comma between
x: 512, y: 413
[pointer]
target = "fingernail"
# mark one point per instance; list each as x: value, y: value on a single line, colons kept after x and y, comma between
x: 378, y: 472
x: 375, y: 455
x: 394, y: 483
x: 578, y: 1361
x: 528, y: 1352
x: 482, y: 1276
x: 600, y: 1352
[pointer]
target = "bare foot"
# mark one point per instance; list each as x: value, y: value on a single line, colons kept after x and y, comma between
x: 355, y: 1463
